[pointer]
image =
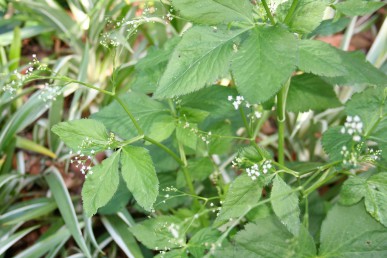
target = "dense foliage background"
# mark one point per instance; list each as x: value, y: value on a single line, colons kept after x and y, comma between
x: 193, y: 128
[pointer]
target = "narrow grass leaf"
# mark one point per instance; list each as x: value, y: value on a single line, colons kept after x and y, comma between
x: 8, y: 242
x: 66, y: 207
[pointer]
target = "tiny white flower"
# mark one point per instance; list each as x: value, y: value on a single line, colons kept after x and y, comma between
x: 230, y: 98
x: 356, y: 138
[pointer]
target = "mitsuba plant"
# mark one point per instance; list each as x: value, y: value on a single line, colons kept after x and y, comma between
x: 185, y: 145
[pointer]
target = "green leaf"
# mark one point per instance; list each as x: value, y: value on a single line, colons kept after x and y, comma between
x: 358, y: 8
x: 100, y: 186
x: 186, y: 136
x: 200, y: 168
x: 359, y: 71
x: 140, y: 175
x: 160, y: 232
x: 333, y: 141
x: 320, y: 58
x: 330, y: 27
x: 214, y: 12
x: 149, y: 69
x: 285, y: 205
x: 264, y: 63
x: 153, y: 117
x: 200, y: 58
x: 309, y: 92
x: 374, y: 191
x: 351, y: 231
x: 77, y: 133
x: 243, y: 194
x: 202, y: 240
x: 307, y: 15
x: 370, y: 105
x: 268, y: 238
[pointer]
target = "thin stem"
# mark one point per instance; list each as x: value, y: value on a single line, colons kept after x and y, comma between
x: 134, y: 139
x: 271, y: 18
x: 245, y: 121
x: 286, y: 170
x: 281, y: 108
x: 132, y: 118
x: 292, y: 8
x: 165, y: 148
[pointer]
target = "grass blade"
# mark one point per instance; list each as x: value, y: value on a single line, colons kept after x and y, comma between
x: 26, y: 144
x: 66, y: 208
x: 119, y: 231
x: 8, y: 242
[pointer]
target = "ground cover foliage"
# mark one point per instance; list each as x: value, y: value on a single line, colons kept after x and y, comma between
x: 210, y: 128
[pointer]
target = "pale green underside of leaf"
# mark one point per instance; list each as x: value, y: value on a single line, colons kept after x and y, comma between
x: 309, y: 92
x: 374, y: 191
x: 100, y: 187
x: 73, y: 133
x: 140, y: 176
x: 241, y: 197
x: 307, y: 15
x: 333, y: 141
x: 352, y: 232
x: 202, y: 241
x: 264, y: 63
x: 357, y: 8
x: 153, y: 117
x: 200, y: 58
x: 154, y: 233
x: 214, y: 12
x: 268, y: 238
x: 320, y: 58
x: 285, y: 205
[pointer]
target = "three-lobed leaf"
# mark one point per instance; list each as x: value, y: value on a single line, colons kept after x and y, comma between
x: 140, y: 175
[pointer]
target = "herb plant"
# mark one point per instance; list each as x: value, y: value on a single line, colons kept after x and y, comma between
x: 185, y: 143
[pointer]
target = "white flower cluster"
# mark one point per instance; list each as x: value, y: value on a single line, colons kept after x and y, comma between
x: 49, y: 93
x: 84, y: 162
x: 17, y: 80
x: 354, y: 157
x: 205, y: 137
x: 254, y: 171
x: 354, y: 127
x: 240, y: 100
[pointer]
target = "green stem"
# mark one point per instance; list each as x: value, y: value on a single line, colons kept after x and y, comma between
x: 281, y: 108
x: 132, y: 118
x: 165, y: 148
x: 271, y: 18
x: 286, y: 170
x: 245, y: 121
x: 134, y: 139
x: 289, y: 16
